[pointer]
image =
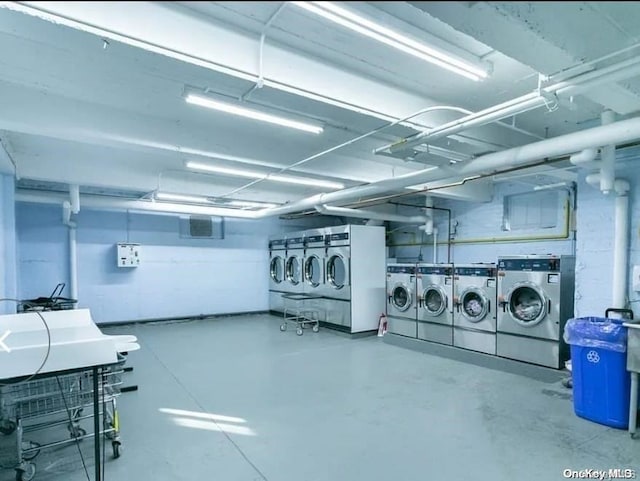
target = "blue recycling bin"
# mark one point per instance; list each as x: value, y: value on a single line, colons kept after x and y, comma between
x: 601, y: 383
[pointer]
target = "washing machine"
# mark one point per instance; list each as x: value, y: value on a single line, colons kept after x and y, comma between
x: 277, y: 281
x: 535, y: 296
x: 401, y: 299
x: 434, y: 290
x: 474, y: 316
x: 337, y: 272
x: 313, y: 275
x: 294, y: 259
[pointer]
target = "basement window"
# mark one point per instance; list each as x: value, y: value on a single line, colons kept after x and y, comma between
x: 533, y: 210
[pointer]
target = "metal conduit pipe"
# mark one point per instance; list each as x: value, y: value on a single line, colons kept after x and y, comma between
x: 371, y: 214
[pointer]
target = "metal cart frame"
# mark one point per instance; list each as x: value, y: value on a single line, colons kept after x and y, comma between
x: 298, y: 314
x: 54, y: 400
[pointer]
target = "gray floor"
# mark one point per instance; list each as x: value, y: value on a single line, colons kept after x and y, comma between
x: 235, y: 399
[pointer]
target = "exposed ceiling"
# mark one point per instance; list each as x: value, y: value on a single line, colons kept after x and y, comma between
x: 94, y: 97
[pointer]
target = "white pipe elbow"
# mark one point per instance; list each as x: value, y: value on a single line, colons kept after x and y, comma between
x: 584, y: 156
x: 621, y: 187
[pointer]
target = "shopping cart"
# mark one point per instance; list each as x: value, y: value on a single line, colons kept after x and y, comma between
x: 56, y: 403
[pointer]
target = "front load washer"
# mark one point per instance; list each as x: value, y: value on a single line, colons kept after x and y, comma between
x: 294, y: 263
x: 434, y: 289
x: 277, y: 281
x: 337, y: 272
x: 535, y: 294
x: 313, y: 275
x: 401, y: 299
x: 474, y: 316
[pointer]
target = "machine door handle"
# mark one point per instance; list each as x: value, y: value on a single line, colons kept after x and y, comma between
x: 549, y: 307
x: 504, y: 306
x: 488, y: 306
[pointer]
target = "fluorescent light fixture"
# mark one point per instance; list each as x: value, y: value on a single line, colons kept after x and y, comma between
x: 258, y: 175
x: 197, y: 199
x: 250, y: 204
x: 250, y: 113
x: 389, y: 37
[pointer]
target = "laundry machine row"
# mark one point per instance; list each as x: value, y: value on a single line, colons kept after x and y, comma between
x: 516, y: 309
x: 339, y: 271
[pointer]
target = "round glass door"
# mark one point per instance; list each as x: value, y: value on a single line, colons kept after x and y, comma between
x: 336, y: 272
x: 474, y: 305
x: 526, y: 305
x: 401, y: 297
x: 435, y: 300
x: 292, y: 270
x: 276, y: 270
x: 313, y: 271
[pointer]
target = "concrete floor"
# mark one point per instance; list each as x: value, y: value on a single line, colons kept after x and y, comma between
x: 235, y: 399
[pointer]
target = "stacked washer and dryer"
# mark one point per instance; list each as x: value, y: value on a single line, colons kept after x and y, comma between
x: 340, y: 269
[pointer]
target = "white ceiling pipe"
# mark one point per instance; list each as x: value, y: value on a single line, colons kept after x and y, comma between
x: 621, y: 244
x: 579, y: 84
x: 74, y: 198
x: 371, y: 214
x: 584, y: 156
x: 616, y: 133
x: 608, y: 156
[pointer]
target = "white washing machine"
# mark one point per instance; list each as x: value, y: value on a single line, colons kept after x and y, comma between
x: 535, y: 296
x: 337, y: 272
x: 434, y: 289
x: 277, y: 281
x: 294, y: 261
x: 313, y: 272
x: 474, y: 316
x: 401, y: 299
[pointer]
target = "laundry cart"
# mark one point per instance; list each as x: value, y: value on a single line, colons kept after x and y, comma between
x: 60, y: 379
x: 300, y: 310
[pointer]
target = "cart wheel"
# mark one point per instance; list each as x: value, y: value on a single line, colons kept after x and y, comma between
x: 299, y: 331
x: 116, y: 445
x: 30, y: 445
x: 283, y: 327
x: 316, y: 328
x: 26, y: 473
x: 77, y: 432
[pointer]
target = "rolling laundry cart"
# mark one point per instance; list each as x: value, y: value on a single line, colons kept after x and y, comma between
x: 55, y: 302
x: 298, y: 312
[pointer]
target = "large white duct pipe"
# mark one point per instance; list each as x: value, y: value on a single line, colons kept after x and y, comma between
x: 371, y: 214
x: 608, y: 164
x: 616, y: 133
x: 621, y: 244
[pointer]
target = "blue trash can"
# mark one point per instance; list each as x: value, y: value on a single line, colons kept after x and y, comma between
x: 601, y: 383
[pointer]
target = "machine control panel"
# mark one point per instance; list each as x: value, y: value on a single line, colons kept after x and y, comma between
x: 315, y: 239
x: 475, y: 271
x: 401, y: 269
x: 277, y: 243
x: 532, y: 265
x: 295, y: 241
x: 440, y: 270
x: 336, y: 237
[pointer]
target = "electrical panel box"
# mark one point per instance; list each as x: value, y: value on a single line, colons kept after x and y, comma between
x: 128, y: 255
x: 636, y: 278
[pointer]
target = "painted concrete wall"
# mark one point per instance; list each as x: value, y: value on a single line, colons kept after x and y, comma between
x: 177, y: 277
x: 8, y: 265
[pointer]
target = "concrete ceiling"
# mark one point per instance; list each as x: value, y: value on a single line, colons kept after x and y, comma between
x: 93, y: 97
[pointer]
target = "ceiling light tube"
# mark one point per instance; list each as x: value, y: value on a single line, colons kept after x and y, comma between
x: 251, y: 113
x: 247, y: 203
x: 391, y: 38
x: 196, y: 199
x: 257, y: 175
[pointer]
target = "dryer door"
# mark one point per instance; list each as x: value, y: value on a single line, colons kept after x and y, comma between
x: 292, y: 270
x: 313, y: 270
x: 337, y: 271
x: 401, y: 297
x: 434, y: 300
x: 276, y: 269
x: 527, y: 304
x: 474, y: 304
